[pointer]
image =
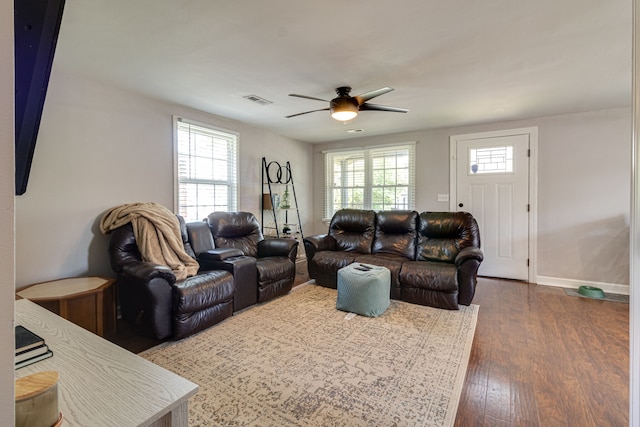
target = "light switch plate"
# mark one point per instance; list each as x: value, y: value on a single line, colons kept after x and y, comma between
x: 443, y: 197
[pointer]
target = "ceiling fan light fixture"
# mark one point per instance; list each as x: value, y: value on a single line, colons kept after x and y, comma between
x: 344, y: 109
x: 344, y: 116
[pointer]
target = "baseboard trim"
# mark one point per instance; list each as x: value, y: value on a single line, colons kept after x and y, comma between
x: 575, y: 284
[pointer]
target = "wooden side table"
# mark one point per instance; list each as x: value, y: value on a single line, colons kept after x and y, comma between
x: 86, y: 301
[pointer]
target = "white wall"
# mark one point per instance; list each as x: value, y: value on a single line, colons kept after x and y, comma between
x: 584, y: 204
x: 6, y: 214
x: 100, y: 147
x: 583, y: 189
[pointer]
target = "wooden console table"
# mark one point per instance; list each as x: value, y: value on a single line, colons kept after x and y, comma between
x: 85, y: 301
x: 100, y: 383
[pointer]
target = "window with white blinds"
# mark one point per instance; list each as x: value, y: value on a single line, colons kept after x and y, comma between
x: 379, y: 178
x: 206, y: 169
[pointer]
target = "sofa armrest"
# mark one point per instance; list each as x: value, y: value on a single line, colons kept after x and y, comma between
x: 278, y: 247
x: 245, y: 276
x: 219, y: 254
x: 145, y: 290
x: 317, y: 243
x: 470, y: 252
x: 145, y: 271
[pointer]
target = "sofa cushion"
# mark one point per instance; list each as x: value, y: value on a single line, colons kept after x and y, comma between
x: 272, y: 269
x: 185, y: 238
x: 239, y: 230
x: 202, y: 291
x: 436, y: 276
x: 274, y: 277
x: 199, y: 237
x: 396, y: 233
x: 330, y: 261
x: 353, y: 230
x: 185, y: 324
x: 446, y: 300
x: 392, y: 262
x: 441, y: 235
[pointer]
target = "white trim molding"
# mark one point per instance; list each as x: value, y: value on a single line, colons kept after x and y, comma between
x: 575, y: 284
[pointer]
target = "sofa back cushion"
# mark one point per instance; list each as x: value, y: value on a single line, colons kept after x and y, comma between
x: 442, y: 235
x: 239, y: 230
x: 353, y: 230
x: 200, y: 237
x: 123, y: 248
x: 185, y: 238
x: 396, y: 233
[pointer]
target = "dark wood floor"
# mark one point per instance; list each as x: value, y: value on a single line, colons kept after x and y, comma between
x: 542, y: 358
x: 539, y: 358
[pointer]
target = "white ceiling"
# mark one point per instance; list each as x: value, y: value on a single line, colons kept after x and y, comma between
x: 451, y: 62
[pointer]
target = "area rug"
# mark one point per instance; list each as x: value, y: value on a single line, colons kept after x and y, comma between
x: 297, y: 361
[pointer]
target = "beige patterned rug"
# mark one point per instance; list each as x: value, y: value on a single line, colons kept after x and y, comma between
x: 296, y: 361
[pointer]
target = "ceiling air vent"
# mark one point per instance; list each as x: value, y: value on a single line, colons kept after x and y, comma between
x: 257, y: 99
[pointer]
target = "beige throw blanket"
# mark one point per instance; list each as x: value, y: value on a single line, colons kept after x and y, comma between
x: 157, y: 233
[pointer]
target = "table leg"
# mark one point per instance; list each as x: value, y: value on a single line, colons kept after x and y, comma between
x: 100, y: 313
x: 179, y: 417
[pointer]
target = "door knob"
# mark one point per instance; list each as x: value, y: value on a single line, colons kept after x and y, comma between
x: 460, y: 205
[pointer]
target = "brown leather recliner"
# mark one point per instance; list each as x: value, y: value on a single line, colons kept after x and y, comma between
x: 275, y: 258
x: 150, y: 297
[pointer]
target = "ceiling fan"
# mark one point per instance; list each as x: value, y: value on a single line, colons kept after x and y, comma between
x: 345, y: 107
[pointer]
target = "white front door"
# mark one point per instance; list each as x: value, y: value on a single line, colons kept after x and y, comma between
x: 492, y: 183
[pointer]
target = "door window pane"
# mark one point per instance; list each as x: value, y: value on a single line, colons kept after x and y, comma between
x: 491, y: 160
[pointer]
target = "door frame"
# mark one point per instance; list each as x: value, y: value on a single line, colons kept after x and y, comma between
x: 532, y: 132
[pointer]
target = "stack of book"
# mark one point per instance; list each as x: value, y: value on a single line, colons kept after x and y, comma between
x: 30, y: 347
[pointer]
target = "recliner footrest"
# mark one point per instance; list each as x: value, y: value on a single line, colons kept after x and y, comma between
x: 203, y: 291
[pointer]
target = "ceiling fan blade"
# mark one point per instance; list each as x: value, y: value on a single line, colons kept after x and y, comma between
x: 362, y: 98
x: 307, y: 97
x: 376, y: 107
x: 306, y: 112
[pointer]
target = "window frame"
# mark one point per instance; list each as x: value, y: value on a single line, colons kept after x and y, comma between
x: 232, y: 158
x: 367, y: 154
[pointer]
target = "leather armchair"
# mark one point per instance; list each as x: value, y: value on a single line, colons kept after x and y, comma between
x: 150, y: 297
x: 275, y: 258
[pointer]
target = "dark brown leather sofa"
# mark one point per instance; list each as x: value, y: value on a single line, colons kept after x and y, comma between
x: 433, y: 256
x: 152, y: 299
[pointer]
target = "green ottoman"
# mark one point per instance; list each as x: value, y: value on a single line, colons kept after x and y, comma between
x: 364, y: 289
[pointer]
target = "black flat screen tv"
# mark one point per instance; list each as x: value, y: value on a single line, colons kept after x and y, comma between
x: 36, y: 27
